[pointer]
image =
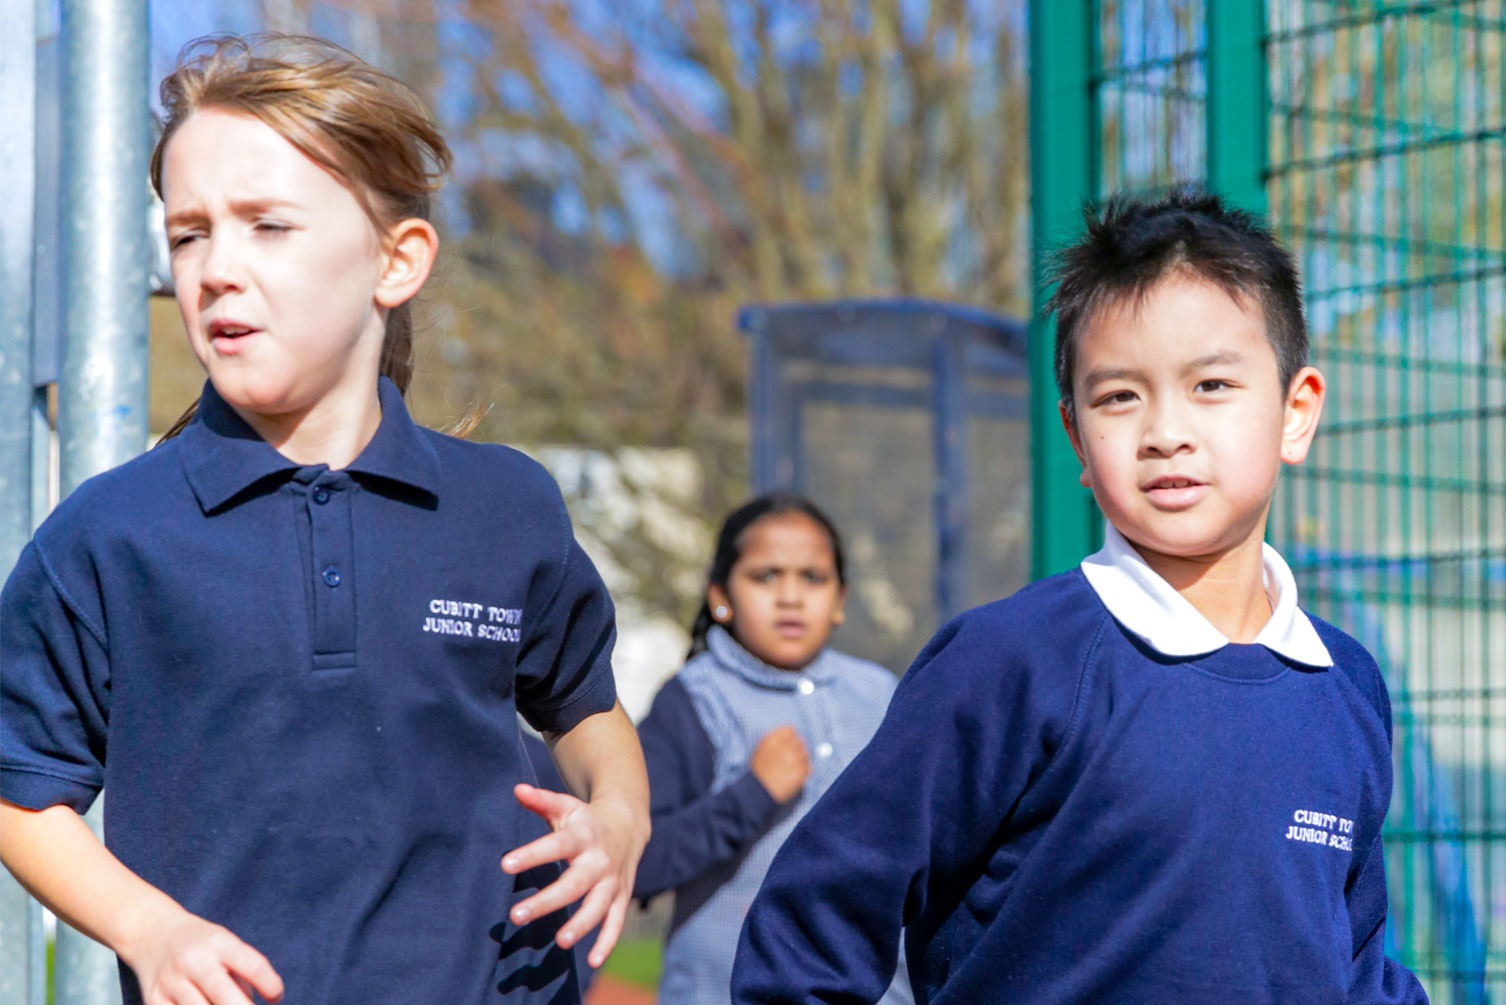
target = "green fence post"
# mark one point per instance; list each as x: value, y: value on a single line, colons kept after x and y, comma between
x: 1063, y: 173
x: 1237, y: 102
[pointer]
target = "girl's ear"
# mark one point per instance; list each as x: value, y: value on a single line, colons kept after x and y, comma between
x: 1304, y: 406
x: 717, y: 597
x: 839, y: 613
x: 411, y: 246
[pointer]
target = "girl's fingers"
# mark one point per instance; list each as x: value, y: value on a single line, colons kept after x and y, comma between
x: 564, y: 891
x: 184, y: 992
x: 611, y: 930
x: 549, y: 805
x: 250, y: 967
x: 221, y: 989
x: 590, y: 914
x: 549, y: 848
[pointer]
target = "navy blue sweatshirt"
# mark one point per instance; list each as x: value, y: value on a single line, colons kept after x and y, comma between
x: 1056, y: 812
x: 694, y: 827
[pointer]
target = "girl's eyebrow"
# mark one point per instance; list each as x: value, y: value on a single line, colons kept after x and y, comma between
x: 240, y: 207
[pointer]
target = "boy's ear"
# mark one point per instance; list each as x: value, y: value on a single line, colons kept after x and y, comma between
x: 1071, y: 427
x: 1304, y: 406
x: 839, y: 613
x: 411, y: 246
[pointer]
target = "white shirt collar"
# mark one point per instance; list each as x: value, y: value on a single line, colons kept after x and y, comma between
x: 1140, y: 600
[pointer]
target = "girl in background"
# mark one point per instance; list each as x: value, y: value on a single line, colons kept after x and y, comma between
x: 292, y: 640
x: 750, y: 733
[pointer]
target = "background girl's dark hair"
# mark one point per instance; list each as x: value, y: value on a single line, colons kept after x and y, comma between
x: 729, y: 548
x: 365, y: 126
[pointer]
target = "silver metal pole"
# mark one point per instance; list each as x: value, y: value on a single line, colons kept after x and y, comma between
x: 102, y: 398
x: 18, y: 50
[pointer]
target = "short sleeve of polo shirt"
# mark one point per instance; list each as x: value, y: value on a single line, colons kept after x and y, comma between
x: 54, y: 691
x: 564, y: 669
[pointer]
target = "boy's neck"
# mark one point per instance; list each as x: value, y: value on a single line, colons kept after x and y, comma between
x: 333, y: 432
x: 1227, y: 588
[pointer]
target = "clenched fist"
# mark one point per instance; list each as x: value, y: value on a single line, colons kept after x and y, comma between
x: 781, y: 763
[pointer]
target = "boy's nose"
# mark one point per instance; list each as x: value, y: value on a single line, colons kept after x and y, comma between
x: 1167, y: 434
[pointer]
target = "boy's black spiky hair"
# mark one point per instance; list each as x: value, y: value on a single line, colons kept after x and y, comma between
x: 1131, y: 244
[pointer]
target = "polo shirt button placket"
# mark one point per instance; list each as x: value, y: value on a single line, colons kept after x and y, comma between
x: 331, y: 547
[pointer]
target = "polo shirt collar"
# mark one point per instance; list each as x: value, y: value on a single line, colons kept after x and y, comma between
x: 400, y: 451
x: 1151, y: 608
x: 730, y: 654
x: 223, y: 456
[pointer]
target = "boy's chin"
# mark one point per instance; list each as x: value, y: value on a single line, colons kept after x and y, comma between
x: 1188, y: 543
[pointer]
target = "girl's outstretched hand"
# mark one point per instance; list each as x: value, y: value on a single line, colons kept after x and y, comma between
x: 190, y: 961
x: 602, y: 840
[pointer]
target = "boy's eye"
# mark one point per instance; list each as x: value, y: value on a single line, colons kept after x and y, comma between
x: 1116, y: 398
x: 179, y: 240
x: 815, y: 577
x: 1212, y: 384
x: 271, y: 227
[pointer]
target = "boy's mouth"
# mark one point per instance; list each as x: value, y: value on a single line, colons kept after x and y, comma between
x: 1174, y: 492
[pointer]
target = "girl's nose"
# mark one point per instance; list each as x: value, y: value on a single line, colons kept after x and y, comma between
x: 222, y: 267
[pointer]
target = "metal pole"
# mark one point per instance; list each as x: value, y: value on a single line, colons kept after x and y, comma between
x: 763, y: 376
x: 1237, y: 102
x: 949, y: 434
x: 18, y: 48
x: 102, y: 398
x: 1064, y: 142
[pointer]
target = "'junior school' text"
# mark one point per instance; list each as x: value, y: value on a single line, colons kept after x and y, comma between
x: 1313, y: 827
x: 474, y: 621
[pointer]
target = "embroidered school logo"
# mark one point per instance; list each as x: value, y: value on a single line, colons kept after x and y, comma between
x: 1313, y: 827
x: 474, y: 621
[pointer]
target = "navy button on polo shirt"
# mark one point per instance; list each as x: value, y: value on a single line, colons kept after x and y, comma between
x: 300, y: 686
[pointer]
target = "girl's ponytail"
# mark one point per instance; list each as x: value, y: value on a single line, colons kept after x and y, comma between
x: 397, y: 347
x: 698, y: 629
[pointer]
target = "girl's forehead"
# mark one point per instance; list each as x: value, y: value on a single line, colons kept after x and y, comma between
x: 225, y: 154
x: 790, y: 533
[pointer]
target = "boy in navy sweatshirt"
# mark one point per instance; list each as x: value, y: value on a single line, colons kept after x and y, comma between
x: 1152, y: 778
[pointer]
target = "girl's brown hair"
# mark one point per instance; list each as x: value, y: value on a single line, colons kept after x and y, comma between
x: 365, y: 126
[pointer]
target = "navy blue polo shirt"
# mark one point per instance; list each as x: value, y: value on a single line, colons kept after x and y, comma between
x: 300, y: 688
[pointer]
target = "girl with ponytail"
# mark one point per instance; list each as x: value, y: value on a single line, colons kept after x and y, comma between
x: 294, y: 639
x: 750, y: 732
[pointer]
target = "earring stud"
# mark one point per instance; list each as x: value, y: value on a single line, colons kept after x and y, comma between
x: 720, y: 613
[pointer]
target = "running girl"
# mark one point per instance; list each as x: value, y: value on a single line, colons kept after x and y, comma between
x: 309, y: 794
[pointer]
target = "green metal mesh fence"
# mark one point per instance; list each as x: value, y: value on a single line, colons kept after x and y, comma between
x: 1385, y: 172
